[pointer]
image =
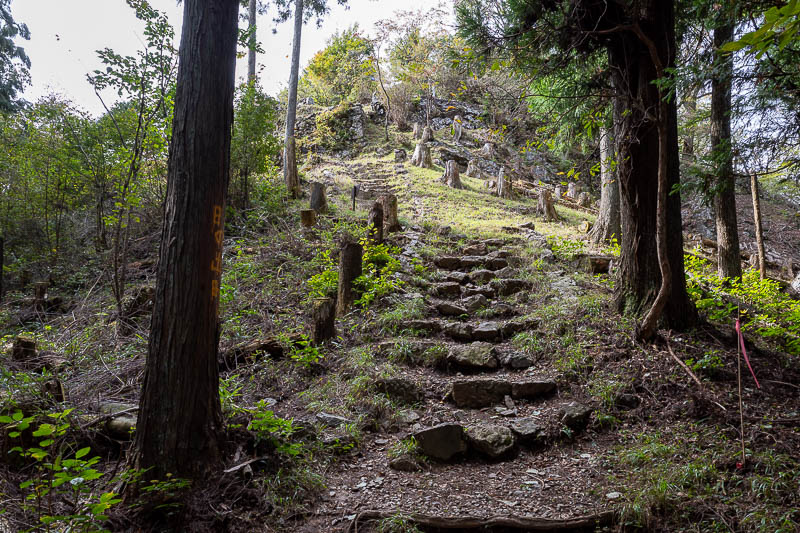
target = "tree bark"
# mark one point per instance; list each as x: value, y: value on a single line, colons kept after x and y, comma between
x: 180, y: 422
x: 319, y: 201
x: 422, y: 156
x: 2, y: 266
x: 573, y: 190
x: 607, y: 226
x: 349, y: 270
x: 729, y: 264
x: 308, y: 217
x: 546, y: 207
x: 290, y: 156
x: 637, y: 139
x: 427, y: 134
x: 390, y: 220
x: 458, y: 129
x: 251, y: 53
x: 451, y: 177
x: 324, y: 320
x: 762, y: 261
x: 473, y: 171
x: 375, y: 223
x: 504, y: 184
x: 417, y: 131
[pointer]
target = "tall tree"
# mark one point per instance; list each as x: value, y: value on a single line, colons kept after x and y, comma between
x: 607, y: 226
x: 180, y: 421
x: 251, y: 52
x: 290, y: 157
x: 14, y: 62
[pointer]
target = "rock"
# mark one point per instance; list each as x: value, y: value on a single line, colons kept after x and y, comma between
x: 496, y: 243
x: 461, y: 158
x: 517, y: 360
x: 400, y: 389
x: 486, y: 331
x: 471, y: 261
x: 458, y: 331
x: 530, y: 390
x: 405, y: 463
x: 614, y: 495
x: 575, y: 416
x: 450, y: 309
x: 478, y: 355
x: 512, y: 327
x: 400, y: 155
x: 593, y: 264
x: 456, y: 276
x: 504, y: 273
x: 502, y: 309
x: 477, y: 393
x: 486, y: 292
x: 448, y: 288
x: 496, y: 263
x: 442, y: 441
x: 476, y: 249
x: 332, y: 421
x: 491, y: 440
x: 629, y: 401
x: 507, y: 287
x: 428, y: 326
x: 448, y: 262
x: 796, y: 284
x: 481, y: 276
x: 529, y: 431
x: 473, y: 303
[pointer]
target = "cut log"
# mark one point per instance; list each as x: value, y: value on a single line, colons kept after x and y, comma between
x: 40, y: 295
x: 417, y: 131
x: 487, y: 151
x: 319, y: 201
x: 559, y: 193
x: 546, y: 207
x: 349, y: 270
x: 473, y: 170
x: 458, y: 128
x: 23, y: 349
x: 503, y: 184
x: 390, y: 221
x: 323, y: 317
x: 375, y: 223
x: 584, y: 200
x: 427, y: 134
x: 573, y: 190
x: 308, y: 217
x: 451, y: 177
x: 422, y: 156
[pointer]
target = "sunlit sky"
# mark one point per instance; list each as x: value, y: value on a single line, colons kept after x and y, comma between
x: 65, y: 35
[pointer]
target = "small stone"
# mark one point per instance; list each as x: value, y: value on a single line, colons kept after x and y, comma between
x: 614, y: 495
x: 448, y: 288
x: 458, y: 331
x: 508, y: 400
x: 486, y: 331
x: 404, y: 463
x: 491, y: 440
x: 473, y: 303
x: 478, y: 355
x: 575, y: 416
x: 517, y: 360
x: 478, y: 393
x: 530, y: 390
x: 529, y: 431
x: 442, y: 441
x: 476, y: 249
x: 450, y: 309
x: 332, y: 421
x: 481, y: 276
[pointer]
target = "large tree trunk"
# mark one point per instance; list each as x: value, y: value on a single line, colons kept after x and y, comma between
x: 290, y: 155
x: 762, y: 261
x: 729, y: 264
x: 180, y: 421
x: 251, y: 53
x: 637, y: 140
x: 607, y: 225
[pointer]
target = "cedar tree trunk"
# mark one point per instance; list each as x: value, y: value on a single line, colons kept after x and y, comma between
x: 180, y: 422
x: 607, y: 225
x: 290, y: 156
x: 251, y: 53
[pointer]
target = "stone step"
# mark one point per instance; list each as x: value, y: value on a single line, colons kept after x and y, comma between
x: 492, y: 331
x: 455, y: 286
x: 475, y: 357
x: 476, y: 393
x: 468, y: 262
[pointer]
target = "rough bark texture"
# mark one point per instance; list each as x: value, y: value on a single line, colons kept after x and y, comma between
x: 180, y: 421
x: 503, y: 184
x: 487, y: 151
x: 422, y: 156
x: 458, y: 128
x: 417, y: 131
x: 573, y: 190
x: 319, y: 201
x: 2, y: 265
x: 584, y: 200
x: 546, y: 206
x: 762, y: 261
x: 251, y: 53
x: 427, y: 134
x: 324, y: 320
x: 451, y: 176
x: 636, y: 138
x: 349, y: 270
x: 375, y: 223
x: 607, y: 226
x: 40, y: 295
x: 558, y: 193
x: 729, y: 264
x: 473, y: 171
x: 390, y: 220
x: 290, y: 155
x: 23, y: 349
x: 308, y: 217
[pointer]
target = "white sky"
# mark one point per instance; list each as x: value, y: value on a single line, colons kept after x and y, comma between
x: 66, y: 33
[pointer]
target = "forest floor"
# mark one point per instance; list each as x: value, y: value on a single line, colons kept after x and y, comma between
x: 490, y: 385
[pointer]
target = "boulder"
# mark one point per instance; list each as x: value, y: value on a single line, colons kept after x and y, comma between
x: 529, y: 431
x: 475, y: 356
x: 458, y: 331
x: 491, y: 440
x: 441, y: 442
x: 486, y: 331
x: 476, y: 393
x: 574, y: 415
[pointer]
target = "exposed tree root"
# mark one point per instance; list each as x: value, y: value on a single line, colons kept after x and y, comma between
x: 504, y: 523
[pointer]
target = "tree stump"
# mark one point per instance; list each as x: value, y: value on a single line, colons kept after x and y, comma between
x: 422, y: 156
x: 23, y: 349
x: 559, y: 193
x: 487, y: 151
x: 375, y: 223
x: 417, y: 131
x: 573, y: 190
x: 308, y: 217
x: 458, y: 128
x: 349, y: 270
x: 427, y: 134
x: 324, y: 320
x: 390, y: 221
x: 400, y: 155
x: 546, y: 206
x: 319, y: 202
x: 584, y: 200
x: 451, y: 177
x: 473, y: 170
x: 40, y: 295
x: 503, y: 184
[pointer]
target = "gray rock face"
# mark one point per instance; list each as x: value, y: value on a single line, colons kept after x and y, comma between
x: 507, y: 287
x: 478, y: 355
x: 496, y: 263
x: 441, y: 442
x: 486, y: 331
x: 332, y: 420
x: 476, y: 249
x: 529, y: 390
x: 448, y: 288
x: 473, y: 303
x: 458, y: 331
x: 481, y: 276
x: 450, y: 309
x: 518, y: 360
x: 486, y: 292
x: 529, y: 431
x: 477, y: 393
x: 400, y: 389
x: 491, y: 440
x: 575, y: 416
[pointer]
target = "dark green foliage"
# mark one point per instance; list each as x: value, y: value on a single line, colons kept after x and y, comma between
x: 14, y: 62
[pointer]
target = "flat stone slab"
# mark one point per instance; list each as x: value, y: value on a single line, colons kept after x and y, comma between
x: 529, y: 430
x: 476, y: 249
x: 448, y: 262
x: 486, y: 331
x: 531, y: 390
x: 486, y: 292
x: 457, y: 277
x: 477, y: 393
x: 491, y: 440
x: 472, y: 261
x: 446, y: 289
x: 450, y: 309
x: 458, y: 331
x: 481, y: 276
x: 496, y: 263
x: 475, y: 356
x: 475, y: 302
x: 442, y: 442
x: 507, y: 287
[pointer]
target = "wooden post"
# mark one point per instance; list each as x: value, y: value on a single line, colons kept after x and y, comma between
x: 390, y: 221
x: 308, y: 217
x: 473, y: 171
x: 503, y: 184
x: 39, y: 295
x: 573, y: 190
x: 324, y: 320
x: 375, y: 222
x: 319, y: 201
x: 762, y: 266
x: 349, y: 270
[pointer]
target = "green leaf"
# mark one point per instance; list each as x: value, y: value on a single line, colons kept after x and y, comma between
x: 82, y: 452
